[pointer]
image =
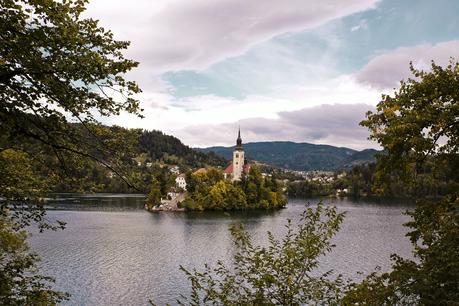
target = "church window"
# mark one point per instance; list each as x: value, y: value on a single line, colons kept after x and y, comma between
x: 237, y: 155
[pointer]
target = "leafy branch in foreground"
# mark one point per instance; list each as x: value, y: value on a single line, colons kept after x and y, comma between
x: 57, y: 69
x: 20, y: 192
x: 19, y: 282
x: 282, y: 273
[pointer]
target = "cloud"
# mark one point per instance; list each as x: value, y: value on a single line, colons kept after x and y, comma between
x: 192, y: 35
x: 276, y: 88
x: 290, y: 114
x: 363, y: 24
x: 387, y: 69
x: 334, y: 124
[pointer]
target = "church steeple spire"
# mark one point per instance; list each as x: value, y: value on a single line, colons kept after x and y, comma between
x: 239, y: 140
x: 238, y: 159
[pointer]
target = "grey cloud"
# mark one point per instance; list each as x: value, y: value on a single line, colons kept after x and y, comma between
x: 210, y: 31
x: 195, y: 34
x: 388, y: 69
x: 334, y: 124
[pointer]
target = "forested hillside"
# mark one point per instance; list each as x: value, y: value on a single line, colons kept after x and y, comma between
x: 160, y: 146
x: 123, y: 160
x: 299, y: 156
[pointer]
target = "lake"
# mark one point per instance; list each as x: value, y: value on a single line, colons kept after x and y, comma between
x: 115, y: 253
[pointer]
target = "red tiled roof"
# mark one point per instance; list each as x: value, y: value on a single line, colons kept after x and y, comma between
x: 229, y: 169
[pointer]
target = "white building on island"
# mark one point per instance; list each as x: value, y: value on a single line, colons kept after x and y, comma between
x: 238, y: 165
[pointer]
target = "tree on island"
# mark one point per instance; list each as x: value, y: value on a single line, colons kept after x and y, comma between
x: 57, y: 71
x: 418, y: 128
x: 210, y: 191
x: 154, y: 196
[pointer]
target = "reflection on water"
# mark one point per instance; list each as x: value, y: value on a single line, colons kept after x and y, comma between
x: 115, y: 253
x: 99, y: 201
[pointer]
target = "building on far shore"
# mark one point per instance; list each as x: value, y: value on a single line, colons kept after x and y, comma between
x: 174, y: 169
x: 239, y: 164
x: 180, y: 181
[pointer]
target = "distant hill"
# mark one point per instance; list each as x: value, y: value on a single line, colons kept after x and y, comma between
x: 361, y: 157
x: 170, y: 149
x: 299, y: 156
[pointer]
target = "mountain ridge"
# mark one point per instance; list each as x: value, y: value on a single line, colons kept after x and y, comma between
x: 300, y: 156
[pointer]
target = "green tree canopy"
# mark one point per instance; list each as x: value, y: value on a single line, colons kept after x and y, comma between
x: 154, y: 196
x: 53, y: 62
x: 419, y: 123
x: 210, y: 191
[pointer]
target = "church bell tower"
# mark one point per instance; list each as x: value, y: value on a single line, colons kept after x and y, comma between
x: 238, y: 158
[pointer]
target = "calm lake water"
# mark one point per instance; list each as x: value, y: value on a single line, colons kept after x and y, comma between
x: 115, y: 253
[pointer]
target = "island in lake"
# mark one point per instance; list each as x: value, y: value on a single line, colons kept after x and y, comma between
x: 240, y: 186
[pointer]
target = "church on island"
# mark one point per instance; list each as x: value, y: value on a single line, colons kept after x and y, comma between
x: 239, y: 165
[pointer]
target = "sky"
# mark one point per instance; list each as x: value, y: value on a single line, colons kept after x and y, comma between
x: 291, y: 70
